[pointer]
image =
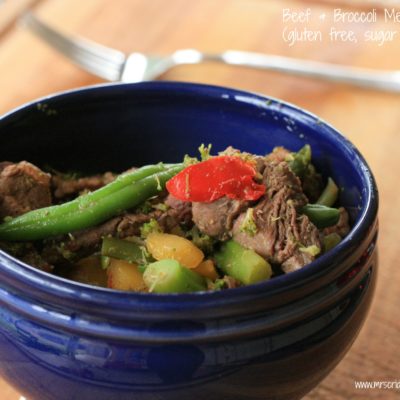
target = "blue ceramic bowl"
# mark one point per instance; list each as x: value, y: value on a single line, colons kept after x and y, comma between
x: 274, y: 340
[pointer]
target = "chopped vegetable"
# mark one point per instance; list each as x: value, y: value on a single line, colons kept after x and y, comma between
x: 167, y: 246
x: 187, y: 160
x: 104, y: 261
x: 90, y: 209
x: 204, y: 242
x: 321, y: 216
x: 329, y: 195
x: 124, y: 250
x: 205, y: 152
x: 168, y: 276
x: 216, y: 285
x: 123, y: 275
x: 249, y: 224
x: 88, y: 270
x: 207, y: 269
x: 160, y: 207
x: 145, y: 207
x: 214, y: 178
x: 243, y: 264
x: 186, y: 243
x: 313, y: 250
x: 150, y: 227
x: 330, y: 241
x: 298, y: 162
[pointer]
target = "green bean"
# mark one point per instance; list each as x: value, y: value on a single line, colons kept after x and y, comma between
x: 123, y: 250
x: 87, y: 210
x: 321, y: 216
x: 329, y: 195
x: 74, y: 205
x: 168, y: 276
x: 243, y: 264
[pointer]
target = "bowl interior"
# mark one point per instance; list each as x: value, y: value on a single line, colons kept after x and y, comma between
x: 116, y: 127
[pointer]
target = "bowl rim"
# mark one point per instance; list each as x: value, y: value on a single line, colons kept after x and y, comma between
x: 52, y: 285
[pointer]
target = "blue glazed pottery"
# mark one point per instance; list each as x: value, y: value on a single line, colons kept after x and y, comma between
x: 274, y: 340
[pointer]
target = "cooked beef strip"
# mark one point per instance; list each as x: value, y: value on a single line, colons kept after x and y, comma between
x: 342, y: 228
x: 121, y: 226
x: 23, y: 187
x: 89, y: 240
x: 66, y: 186
x: 216, y: 219
x: 178, y: 214
x: 278, y: 176
x: 312, y: 183
x: 306, y: 235
x: 281, y: 229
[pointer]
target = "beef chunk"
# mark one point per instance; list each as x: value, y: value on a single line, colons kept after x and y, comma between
x: 281, y: 231
x: 179, y: 213
x: 342, y: 227
x: 89, y: 240
x: 307, y: 236
x: 311, y: 180
x: 216, y: 219
x: 66, y: 186
x: 23, y: 187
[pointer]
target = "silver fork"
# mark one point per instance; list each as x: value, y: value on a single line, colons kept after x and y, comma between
x: 113, y: 65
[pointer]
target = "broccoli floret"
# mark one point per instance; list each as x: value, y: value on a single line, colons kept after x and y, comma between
x: 150, y: 227
x: 205, y: 152
x: 249, y: 224
x: 201, y: 240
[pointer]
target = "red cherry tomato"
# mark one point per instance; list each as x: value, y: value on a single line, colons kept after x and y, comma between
x: 216, y: 177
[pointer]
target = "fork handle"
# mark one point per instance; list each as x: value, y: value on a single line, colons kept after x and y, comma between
x: 366, y: 78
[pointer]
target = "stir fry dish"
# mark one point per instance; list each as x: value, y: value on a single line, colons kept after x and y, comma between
x: 209, y: 223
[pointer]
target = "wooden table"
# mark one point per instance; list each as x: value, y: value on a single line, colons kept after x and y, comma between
x: 29, y: 69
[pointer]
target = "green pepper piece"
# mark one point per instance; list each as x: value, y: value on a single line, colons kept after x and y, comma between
x: 123, y: 250
x: 321, y: 216
x: 299, y: 161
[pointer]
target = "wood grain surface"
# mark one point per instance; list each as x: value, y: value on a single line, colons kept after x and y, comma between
x: 29, y: 69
